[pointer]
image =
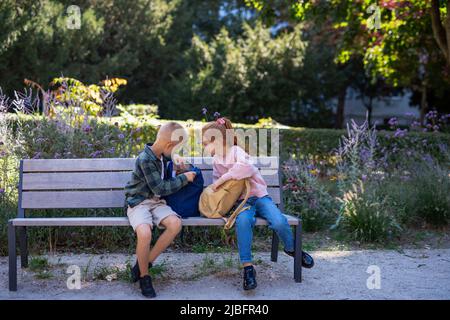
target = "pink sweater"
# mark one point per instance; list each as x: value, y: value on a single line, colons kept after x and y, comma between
x: 237, y: 165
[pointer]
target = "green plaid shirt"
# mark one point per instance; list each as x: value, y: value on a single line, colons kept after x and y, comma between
x: 146, y: 179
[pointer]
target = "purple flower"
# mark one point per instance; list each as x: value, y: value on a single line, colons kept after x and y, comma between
x: 436, y: 127
x: 216, y: 114
x: 393, y: 122
x: 399, y: 133
x: 121, y: 136
x: 431, y: 114
x: 2, y: 190
x: 37, y: 155
x: 415, y: 124
x: 204, y: 110
x: 364, y: 177
x: 87, y: 128
x: 95, y: 154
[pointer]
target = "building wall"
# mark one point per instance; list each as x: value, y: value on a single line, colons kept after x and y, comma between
x: 383, y: 109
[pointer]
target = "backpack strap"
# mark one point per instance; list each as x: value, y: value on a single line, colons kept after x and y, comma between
x: 232, y: 218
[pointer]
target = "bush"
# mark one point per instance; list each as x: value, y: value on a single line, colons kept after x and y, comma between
x: 306, y: 196
x: 366, y: 216
x: 320, y: 144
x: 420, y: 193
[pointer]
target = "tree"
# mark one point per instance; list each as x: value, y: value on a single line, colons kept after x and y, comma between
x: 441, y: 26
x: 396, y: 39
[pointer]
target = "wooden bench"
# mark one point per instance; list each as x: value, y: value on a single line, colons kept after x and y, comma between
x: 99, y: 183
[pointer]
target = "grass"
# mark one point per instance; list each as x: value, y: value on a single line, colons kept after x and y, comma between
x: 41, y: 267
x: 38, y: 264
x: 122, y: 272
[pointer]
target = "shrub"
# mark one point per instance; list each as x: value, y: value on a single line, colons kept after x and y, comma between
x: 366, y: 216
x: 306, y: 196
x: 420, y: 193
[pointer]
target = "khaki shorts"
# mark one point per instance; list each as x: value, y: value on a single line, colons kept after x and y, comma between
x: 151, y: 211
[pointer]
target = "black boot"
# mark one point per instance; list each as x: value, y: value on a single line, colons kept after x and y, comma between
x: 147, y: 287
x: 249, y: 278
x: 307, y: 260
x: 136, y: 273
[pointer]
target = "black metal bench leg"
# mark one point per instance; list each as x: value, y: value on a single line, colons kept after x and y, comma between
x: 23, y: 244
x: 298, y: 253
x: 12, y: 257
x: 274, y: 252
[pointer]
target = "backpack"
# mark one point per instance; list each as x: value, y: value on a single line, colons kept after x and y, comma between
x: 217, y: 204
x: 185, y: 201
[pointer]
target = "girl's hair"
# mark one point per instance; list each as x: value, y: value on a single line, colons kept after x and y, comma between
x: 223, y: 125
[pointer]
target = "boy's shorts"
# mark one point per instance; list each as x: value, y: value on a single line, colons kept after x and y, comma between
x: 151, y: 211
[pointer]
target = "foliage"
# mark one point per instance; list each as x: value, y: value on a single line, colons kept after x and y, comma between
x: 92, y: 97
x: 418, y: 192
x: 366, y: 216
x: 307, y: 197
x: 378, y: 48
x: 243, y: 78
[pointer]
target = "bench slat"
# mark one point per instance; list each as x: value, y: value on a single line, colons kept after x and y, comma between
x: 97, y: 180
x: 87, y: 199
x: 123, y: 221
x: 118, y: 164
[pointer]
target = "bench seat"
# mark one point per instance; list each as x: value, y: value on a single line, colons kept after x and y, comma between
x: 122, y: 221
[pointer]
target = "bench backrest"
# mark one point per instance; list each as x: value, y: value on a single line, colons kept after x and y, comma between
x: 99, y: 183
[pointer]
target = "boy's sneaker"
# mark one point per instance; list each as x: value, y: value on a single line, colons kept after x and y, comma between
x: 249, y: 278
x: 307, y: 260
x: 147, y: 287
x: 136, y: 273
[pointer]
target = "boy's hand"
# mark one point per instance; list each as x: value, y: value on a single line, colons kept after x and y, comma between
x: 180, y: 163
x: 190, y: 175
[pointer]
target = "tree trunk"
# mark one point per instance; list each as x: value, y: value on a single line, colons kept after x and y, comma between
x: 369, y: 113
x: 441, y: 29
x: 423, y: 104
x: 340, y: 108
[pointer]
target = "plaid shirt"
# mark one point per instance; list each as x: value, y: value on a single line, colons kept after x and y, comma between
x: 146, y: 180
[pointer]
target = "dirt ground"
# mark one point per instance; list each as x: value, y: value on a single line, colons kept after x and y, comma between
x: 408, y: 274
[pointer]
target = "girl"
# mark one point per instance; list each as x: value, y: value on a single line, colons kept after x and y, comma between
x: 232, y: 162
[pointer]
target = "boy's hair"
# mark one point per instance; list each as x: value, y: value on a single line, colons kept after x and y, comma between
x: 167, y: 129
x: 223, y: 125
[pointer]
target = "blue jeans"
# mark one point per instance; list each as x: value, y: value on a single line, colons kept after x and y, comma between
x: 245, y: 221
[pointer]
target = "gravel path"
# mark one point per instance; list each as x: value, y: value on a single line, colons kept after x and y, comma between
x: 410, y: 274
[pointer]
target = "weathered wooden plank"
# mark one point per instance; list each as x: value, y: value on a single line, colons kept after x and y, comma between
x: 97, y: 180
x: 78, y: 180
x: 72, y: 199
x: 74, y: 165
x: 87, y: 199
x: 122, y: 221
x: 120, y: 164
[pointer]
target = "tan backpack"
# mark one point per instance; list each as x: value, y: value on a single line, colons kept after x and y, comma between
x: 217, y: 204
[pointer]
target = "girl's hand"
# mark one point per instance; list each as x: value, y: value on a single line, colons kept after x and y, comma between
x: 216, y: 185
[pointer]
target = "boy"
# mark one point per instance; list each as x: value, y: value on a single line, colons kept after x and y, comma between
x: 146, y: 209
